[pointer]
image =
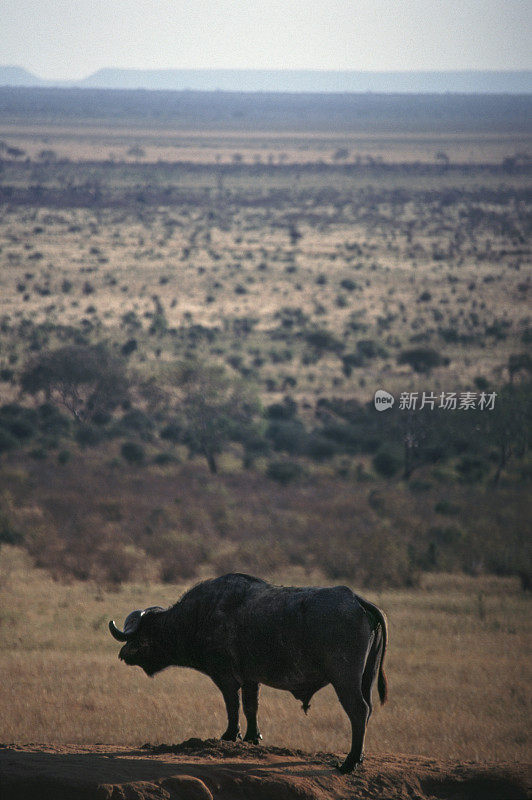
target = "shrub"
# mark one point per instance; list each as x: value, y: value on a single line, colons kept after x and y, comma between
x: 471, y: 469
x: 162, y: 459
x: 348, y: 284
x: 129, y: 347
x: 345, y: 436
x: 367, y: 348
x: 351, y: 361
x: 282, y: 411
x: 20, y: 422
x: 319, y: 447
x: 387, y: 562
x: 446, y: 508
x: 519, y: 362
x: 137, y: 421
x: 284, y: 472
x: 173, y: 432
x: 7, y: 441
x: 179, y: 554
x: 444, y: 549
x: 39, y: 453
x: 88, y: 435
x: 52, y: 421
x: 132, y: 452
x: 9, y: 534
x: 258, y: 557
x: 254, y: 443
x: 323, y: 340
x: 288, y: 436
x: 386, y: 463
x: 422, y: 359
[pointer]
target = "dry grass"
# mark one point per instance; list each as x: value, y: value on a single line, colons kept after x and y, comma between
x: 458, y: 668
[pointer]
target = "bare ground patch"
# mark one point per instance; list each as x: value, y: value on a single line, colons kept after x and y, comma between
x: 202, y: 770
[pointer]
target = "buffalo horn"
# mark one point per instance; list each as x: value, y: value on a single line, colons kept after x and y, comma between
x: 116, y: 632
x: 131, y: 624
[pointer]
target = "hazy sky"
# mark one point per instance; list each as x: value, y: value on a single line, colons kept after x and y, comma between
x: 61, y: 39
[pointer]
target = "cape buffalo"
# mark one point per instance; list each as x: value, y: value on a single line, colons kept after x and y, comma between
x: 242, y: 631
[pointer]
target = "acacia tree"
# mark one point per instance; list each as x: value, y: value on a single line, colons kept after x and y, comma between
x: 86, y: 379
x: 214, y: 407
x: 508, y: 427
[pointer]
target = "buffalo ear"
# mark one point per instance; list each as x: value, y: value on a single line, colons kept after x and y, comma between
x: 152, y: 609
x: 132, y: 622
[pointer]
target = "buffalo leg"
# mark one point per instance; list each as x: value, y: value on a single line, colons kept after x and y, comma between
x: 230, y: 688
x: 357, y: 710
x: 250, y: 701
x: 371, y: 671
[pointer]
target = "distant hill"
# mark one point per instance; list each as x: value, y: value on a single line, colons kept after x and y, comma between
x: 289, y: 81
x: 18, y: 76
x: 312, y: 81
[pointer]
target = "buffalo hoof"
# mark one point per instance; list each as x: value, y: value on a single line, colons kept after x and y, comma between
x: 349, y: 765
x: 256, y: 739
x: 231, y: 736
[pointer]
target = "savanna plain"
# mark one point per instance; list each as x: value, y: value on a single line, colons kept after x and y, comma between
x: 198, y: 302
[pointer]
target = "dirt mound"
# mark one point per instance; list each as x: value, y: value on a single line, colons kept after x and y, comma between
x: 214, y: 770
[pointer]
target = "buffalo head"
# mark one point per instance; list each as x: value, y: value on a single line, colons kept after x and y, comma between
x: 144, y: 640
